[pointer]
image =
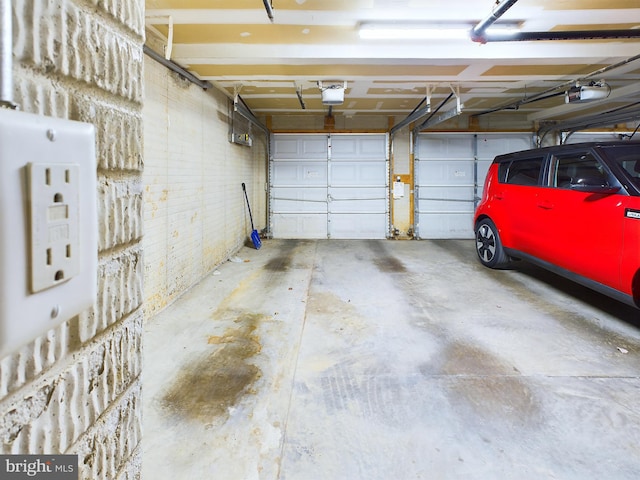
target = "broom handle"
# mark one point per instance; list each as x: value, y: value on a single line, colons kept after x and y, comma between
x: 244, y: 189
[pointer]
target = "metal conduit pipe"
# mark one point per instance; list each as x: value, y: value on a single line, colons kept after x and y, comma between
x: 6, y: 55
x: 269, y: 9
x: 478, y: 32
x: 571, y: 35
x: 171, y: 65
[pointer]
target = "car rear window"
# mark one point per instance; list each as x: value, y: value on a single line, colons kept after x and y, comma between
x: 521, y: 172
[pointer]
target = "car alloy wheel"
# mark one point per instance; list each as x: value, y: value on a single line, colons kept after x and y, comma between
x: 489, y: 246
x: 485, y: 243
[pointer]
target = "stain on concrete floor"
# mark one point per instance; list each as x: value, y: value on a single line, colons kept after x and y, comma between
x: 484, y: 383
x: 207, y: 388
x: 464, y: 359
x: 383, y: 260
x: 283, y: 262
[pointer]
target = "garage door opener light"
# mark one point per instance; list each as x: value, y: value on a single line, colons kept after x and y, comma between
x: 332, y: 94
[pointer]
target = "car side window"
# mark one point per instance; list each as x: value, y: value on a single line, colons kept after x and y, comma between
x: 524, y: 172
x: 631, y: 163
x: 632, y: 166
x: 577, y: 168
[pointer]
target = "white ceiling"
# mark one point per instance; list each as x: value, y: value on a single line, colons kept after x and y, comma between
x: 233, y: 45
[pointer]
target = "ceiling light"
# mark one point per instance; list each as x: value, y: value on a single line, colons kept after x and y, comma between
x: 427, y: 31
x: 502, y: 32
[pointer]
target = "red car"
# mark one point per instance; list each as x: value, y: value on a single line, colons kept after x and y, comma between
x: 573, y: 209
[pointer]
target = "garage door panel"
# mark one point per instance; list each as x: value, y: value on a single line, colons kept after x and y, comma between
x: 315, y: 147
x: 300, y: 147
x: 359, y: 174
x: 491, y: 145
x: 286, y: 148
x: 445, y: 147
x: 299, y: 174
x: 300, y: 225
x: 446, y: 172
x: 298, y: 200
x: 446, y: 225
x: 373, y: 147
x: 351, y: 147
x: 446, y: 199
x: 363, y: 226
x: 362, y: 200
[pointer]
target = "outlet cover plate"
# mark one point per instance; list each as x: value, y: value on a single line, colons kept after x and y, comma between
x: 27, y: 140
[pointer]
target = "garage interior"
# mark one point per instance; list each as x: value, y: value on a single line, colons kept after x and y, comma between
x: 334, y: 352
x: 363, y: 339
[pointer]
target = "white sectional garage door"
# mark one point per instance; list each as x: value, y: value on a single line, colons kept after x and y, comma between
x: 450, y: 170
x: 329, y: 186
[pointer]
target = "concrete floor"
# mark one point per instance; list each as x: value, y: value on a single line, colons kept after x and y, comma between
x: 379, y: 360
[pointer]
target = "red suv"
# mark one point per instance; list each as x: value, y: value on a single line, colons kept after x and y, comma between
x: 573, y: 209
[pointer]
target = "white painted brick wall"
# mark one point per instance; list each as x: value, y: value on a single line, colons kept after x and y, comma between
x: 62, y: 407
x: 120, y: 206
x: 77, y: 388
x: 195, y: 213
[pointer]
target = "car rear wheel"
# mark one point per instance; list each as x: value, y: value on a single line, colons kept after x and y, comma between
x: 488, y: 245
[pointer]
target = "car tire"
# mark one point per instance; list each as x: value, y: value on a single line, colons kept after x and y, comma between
x: 488, y: 245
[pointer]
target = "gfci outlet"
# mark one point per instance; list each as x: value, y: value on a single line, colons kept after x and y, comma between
x: 48, y: 224
x: 54, y: 198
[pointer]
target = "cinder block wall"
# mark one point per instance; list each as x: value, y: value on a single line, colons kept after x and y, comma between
x: 77, y: 389
x: 195, y: 213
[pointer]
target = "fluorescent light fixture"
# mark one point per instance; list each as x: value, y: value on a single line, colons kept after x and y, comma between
x: 505, y: 31
x: 428, y: 31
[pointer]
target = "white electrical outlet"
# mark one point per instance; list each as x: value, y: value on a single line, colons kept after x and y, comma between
x: 54, y: 192
x: 48, y: 224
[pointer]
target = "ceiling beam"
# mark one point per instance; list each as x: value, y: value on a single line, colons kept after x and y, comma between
x: 399, y: 52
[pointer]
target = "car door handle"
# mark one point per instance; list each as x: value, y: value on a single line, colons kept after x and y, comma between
x: 545, y: 204
x: 498, y: 196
